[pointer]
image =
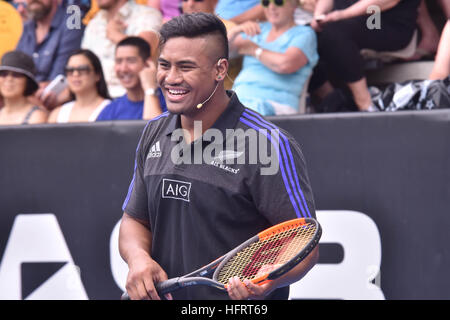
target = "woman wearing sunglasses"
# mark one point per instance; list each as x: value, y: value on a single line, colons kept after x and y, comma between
x: 17, y: 83
x: 279, y: 57
x: 88, y: 89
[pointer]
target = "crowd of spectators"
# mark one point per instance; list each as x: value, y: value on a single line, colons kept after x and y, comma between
x: 277, y: 49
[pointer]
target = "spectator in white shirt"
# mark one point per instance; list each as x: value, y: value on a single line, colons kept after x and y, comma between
x: 116, y: 20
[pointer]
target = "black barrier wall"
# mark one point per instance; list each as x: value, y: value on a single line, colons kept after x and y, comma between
x: 395, y: 168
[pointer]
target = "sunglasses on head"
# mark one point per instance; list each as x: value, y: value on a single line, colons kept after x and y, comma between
x: 82, y: 70
x: 5, y: 73
x: 278, y: 3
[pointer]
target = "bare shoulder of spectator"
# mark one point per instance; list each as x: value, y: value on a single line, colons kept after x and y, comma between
x: 40, y: 115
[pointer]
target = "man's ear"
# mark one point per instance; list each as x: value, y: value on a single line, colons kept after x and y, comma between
x: 222, y: 69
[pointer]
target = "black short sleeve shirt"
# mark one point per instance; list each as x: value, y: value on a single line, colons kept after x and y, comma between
x: 204, y: 198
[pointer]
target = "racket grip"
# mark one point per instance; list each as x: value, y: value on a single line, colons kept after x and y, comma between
x: 162, y: 288
x: 168, y: 286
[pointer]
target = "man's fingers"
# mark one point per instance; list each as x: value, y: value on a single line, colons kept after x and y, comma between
x: 236, y: 289
x: 151, y: 290
x: 253, y: 289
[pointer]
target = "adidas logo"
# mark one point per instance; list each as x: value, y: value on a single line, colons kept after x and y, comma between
x: 155, y: 151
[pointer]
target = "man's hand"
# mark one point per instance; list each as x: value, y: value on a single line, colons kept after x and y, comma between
x: 143, y: 274
x: 250, y: 28
x: 115, y: 29
x: 247, y: 48
x: 50, y: 101
x: 238, y: 290
x: 148, y: 76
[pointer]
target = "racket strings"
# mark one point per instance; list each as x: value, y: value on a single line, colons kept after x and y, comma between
x: 267, y: 254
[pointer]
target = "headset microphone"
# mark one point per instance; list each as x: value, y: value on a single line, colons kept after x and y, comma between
x: 200, y: 105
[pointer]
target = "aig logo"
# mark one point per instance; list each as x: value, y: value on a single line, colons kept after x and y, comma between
x: 175, y: 189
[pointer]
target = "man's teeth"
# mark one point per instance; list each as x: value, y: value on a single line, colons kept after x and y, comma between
x: 177, y: 92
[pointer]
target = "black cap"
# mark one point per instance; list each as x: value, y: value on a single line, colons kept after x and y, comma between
x: 20, y: 62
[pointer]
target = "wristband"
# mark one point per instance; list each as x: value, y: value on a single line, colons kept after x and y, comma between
x: 258, y: 53
x: 150, y: 92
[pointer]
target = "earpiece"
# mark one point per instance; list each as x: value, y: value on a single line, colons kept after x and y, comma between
x: 218, y: 64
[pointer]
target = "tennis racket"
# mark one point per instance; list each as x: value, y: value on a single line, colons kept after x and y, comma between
x: 262, y: 258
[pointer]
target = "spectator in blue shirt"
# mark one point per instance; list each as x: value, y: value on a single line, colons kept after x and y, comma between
x: 49, y: 39
x: 137, y: 74
x: 279, y: 57
x: 240, y: 11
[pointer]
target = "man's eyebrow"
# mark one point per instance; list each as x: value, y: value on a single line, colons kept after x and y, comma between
x: 180, y: 62
x: 186, y: 62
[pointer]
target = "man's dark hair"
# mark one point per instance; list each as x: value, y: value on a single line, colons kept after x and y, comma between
x: 142, y: 46
x: 196, y: 25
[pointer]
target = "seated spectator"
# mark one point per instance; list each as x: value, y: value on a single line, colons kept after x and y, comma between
x: 136, y: 72
x: 240, y: 11
x: 116, y: 20
x: 87, y: 87
x: 47, y: 38
x: 441, y: 68
x: 278, y: 59
x: 168, y: 8
x: 343, y: 32
x: 429, y: 34
x: 17, y: 82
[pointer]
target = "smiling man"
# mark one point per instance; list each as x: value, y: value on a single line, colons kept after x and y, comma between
x: 137, y: 74
x: 179, y: 216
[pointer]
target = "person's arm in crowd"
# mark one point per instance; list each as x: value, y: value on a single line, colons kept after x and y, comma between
x: 359, y: 8
x: 154, y: 4
x: 50, y: 100
x: 152, y: 107
x: 323, y: 7
x: 254, y: 14
x: 115, y: 29
x: 52, y: 118
x: 153, y: 39
x: 441, y: 68
x: 135, y: 241
x: 288, y: 62
x: 38, y: 116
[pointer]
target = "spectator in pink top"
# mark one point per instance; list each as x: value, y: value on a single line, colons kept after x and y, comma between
x: 168, y: 8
